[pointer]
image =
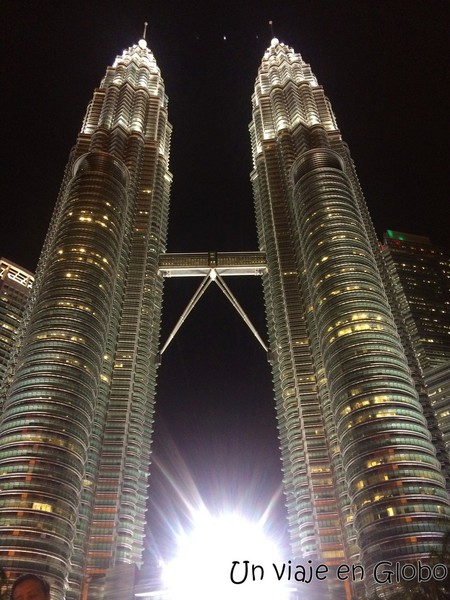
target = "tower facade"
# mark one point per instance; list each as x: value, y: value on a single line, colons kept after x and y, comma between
x: 77, y: 417
x: 361, y: 477
x: 421, y: 272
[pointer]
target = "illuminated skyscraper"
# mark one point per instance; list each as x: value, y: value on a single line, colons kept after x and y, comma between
x: 76, y: 427
x: 361, y: 478
x: 421, y: 272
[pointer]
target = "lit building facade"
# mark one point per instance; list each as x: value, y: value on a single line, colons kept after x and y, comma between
x: 15, y: 288
x: 421, y: 271
x: 361, y: 477
x: 438, y: 386
x: 76, y: 427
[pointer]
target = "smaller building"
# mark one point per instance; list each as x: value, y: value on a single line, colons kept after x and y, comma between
x: 421, y: 274
x: 15, y: 287
x: 438, y: 387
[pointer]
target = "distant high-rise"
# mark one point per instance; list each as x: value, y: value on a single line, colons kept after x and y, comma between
x: 420, y: 271
x: 15, y: 287
x: 360, y: 474
x: 76, y: 428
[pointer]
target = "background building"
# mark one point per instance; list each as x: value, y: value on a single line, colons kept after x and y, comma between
x: 15, y: 288
x: 421, y: 271
x: 421, y: 274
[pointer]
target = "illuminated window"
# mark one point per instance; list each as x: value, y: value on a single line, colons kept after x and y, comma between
x: 42, y: 506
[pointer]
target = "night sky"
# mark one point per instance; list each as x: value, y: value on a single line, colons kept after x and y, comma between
x: 384, y: 65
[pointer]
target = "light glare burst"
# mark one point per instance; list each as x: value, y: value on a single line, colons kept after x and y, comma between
x: 202, y: 568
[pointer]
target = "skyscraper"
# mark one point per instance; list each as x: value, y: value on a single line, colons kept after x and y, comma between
x: 361, y: 479
x: 421, y: 272
x: 77, y: 420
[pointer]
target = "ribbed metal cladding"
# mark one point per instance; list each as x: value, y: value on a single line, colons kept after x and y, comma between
x: 48, y: 413
x: 394, y: 480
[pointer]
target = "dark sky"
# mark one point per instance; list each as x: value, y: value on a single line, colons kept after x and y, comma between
x: 384, y: 65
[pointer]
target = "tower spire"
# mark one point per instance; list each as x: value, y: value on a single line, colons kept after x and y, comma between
x: 274, y: 41
x: 143, y: 42
x: 271, y: 29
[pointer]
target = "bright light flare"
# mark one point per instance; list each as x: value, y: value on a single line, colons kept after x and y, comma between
x: 202, y: 568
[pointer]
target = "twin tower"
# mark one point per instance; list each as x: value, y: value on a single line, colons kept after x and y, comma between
x: 361, y: 479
